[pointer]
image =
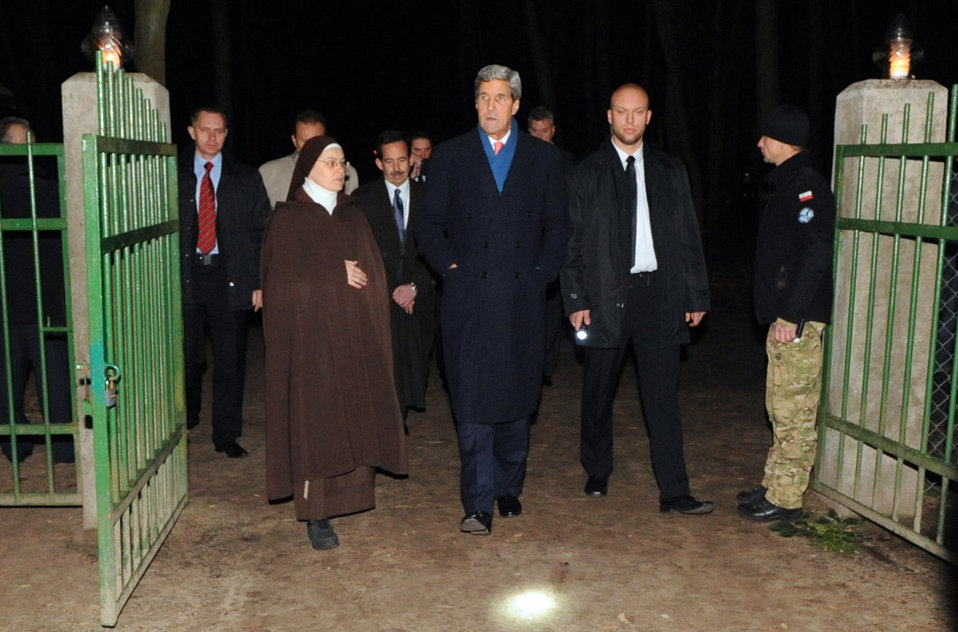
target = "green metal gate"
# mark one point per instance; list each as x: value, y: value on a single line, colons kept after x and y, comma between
x: 136, y: 351
x: 887, y: 428
x: 34, y: 285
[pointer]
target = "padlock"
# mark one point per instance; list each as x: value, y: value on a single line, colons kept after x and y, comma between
x: 112, y: 374
x: 110, y: 394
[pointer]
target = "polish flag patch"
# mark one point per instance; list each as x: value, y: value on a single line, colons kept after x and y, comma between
x: 806, y: 196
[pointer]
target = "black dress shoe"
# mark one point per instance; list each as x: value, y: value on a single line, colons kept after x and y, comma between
x: 751, y: 496
x: 509, y: 506
x: 766, y: 511
x: 597, y: 486
x: 232, y: 449
x: 321, y: 534
x: 476, y: 523
x: 685, y: 504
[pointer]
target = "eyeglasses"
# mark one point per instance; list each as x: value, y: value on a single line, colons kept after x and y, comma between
x: 332, y: 163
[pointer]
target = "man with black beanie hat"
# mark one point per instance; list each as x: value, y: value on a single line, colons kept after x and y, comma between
x: 793, y: 294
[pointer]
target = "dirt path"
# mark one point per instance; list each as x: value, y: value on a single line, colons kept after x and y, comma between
x: 234, y: 562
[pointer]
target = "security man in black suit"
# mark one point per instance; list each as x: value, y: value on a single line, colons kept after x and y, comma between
x: 220, y: 271
x: 634, y: 276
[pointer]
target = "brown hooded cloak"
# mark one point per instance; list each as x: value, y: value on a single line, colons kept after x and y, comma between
x: 331, y: 409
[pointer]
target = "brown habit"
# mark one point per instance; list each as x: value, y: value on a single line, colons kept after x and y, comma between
x: 331, y: 407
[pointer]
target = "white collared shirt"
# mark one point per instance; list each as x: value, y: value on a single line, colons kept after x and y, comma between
x: 503, y: 140
x: 644, y: 260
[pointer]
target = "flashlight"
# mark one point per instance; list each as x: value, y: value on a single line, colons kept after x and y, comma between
x: 799, y: 331
x: 582, y: 333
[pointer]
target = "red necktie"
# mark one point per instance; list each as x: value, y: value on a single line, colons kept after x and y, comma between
x: 497, y: 146
x: 207, y: 214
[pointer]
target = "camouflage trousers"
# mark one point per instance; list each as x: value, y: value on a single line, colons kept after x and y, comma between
x: 793, y: 388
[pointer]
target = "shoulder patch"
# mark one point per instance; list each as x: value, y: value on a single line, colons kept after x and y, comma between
x: 806, y: 215
x: 806, y: 196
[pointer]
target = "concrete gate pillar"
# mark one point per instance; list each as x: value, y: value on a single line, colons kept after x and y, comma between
x: 865, y: 103
x: 79, y: 94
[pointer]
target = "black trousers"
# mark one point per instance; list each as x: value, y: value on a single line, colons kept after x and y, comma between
x: 25, y: 358
x: 658, y: 368
x: 227, y: 331
x: 493, y: 462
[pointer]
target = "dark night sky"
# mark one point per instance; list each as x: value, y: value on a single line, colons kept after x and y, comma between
x: 369, y: 66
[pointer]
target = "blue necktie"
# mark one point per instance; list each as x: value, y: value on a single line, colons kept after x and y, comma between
x: 400, y: 220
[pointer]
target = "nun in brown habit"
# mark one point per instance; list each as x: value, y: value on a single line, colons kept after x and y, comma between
x: 332, y: 416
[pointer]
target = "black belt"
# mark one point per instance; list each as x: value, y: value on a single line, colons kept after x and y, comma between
x: 641, y: 279
x: 207, y: 260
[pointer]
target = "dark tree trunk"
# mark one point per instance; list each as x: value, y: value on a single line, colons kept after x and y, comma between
x: 540, y: 58
x: 150, y: 38
x: 669, y: 19
x: 819, y: 107
x: 222, y: 78
x: 766, y: 56
x: 728, y: 27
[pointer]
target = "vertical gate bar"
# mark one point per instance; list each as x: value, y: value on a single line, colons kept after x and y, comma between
x: 890, y: 316
x: 910, y: 349
x: 104, y: 322
x: 825, y: 405
x: 850, y: 327
x: 8, y: 374
x: 121, y: 97
x: 873, y: 276
x: 41, y: 376
x: 68, y: 312
x: 953, y: 394
x: 122, y: 335
x: 932, y: 343
x: 870, y: 304
x: 138, y: 340
x: 92, y: 161
x: 892, y: 304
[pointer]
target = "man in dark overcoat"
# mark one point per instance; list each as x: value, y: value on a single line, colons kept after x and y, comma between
x: 222, y: 285
x: 634, y: 277
x: 391, y: 205
x: 494, y: 226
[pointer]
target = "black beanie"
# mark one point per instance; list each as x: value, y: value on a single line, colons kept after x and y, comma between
x: 786, y: 124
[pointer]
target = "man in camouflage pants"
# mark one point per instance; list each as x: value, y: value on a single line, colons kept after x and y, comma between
x: 793, y: 293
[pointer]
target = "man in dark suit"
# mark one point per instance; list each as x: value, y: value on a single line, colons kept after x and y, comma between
x: 223, y: 210
x: 392, y: 205
x: 32, y: 348
x: 634, y: 275
x: 494, y: 225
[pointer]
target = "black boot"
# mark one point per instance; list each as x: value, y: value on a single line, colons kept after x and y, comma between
x: 321, y: 534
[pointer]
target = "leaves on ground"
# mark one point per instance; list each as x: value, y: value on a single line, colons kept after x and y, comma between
x: 829, y: 532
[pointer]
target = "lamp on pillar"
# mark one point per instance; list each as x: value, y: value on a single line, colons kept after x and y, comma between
x: 107, y: 37
x: 898, y: 53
